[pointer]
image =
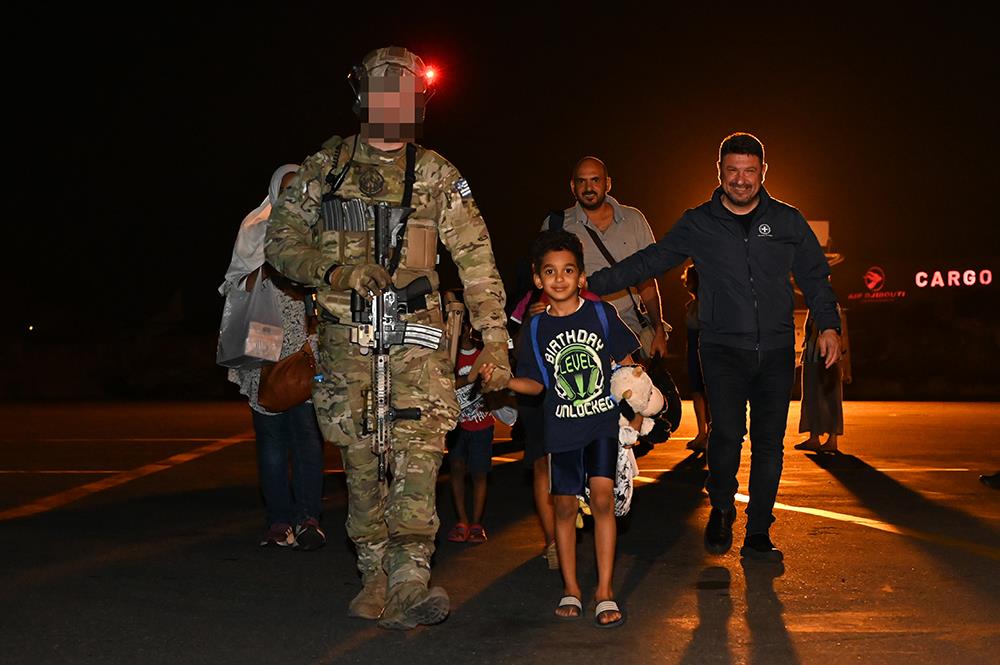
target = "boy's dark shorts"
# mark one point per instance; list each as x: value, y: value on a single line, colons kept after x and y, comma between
x: 532, y: 419
x: 475, y: 447
x: 569, y: 471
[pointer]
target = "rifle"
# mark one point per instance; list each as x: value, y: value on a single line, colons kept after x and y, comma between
x: 378, y: 326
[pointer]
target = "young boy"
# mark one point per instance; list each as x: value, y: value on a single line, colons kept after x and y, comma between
x: 567, y: 350
x: 471, y: 449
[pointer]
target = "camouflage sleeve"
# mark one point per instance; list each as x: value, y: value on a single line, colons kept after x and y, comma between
x: 463, y: 232
x: 293, y: 232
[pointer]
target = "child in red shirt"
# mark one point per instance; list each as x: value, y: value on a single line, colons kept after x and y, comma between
x: 471, y: 449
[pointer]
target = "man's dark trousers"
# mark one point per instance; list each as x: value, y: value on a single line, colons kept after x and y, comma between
x: 734, y: 377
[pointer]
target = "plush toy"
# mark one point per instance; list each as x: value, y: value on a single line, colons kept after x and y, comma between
x: 635, y: 393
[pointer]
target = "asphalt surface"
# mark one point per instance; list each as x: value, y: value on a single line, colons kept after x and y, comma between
x: 128, y: 535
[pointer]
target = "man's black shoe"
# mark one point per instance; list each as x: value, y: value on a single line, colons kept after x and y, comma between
x: 992, y: 480
x: 719, y: 531
x: 759, y: 546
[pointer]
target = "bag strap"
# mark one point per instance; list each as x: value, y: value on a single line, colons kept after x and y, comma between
x: 641, y: 311
x: 538, y: 353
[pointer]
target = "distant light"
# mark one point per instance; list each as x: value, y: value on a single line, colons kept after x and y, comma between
x: 30, y: 328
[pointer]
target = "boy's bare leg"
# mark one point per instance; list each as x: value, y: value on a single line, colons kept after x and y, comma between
x: 458, y: 467
x: 565, y: 514
x: 602, y: 507
x: 478, y: 497
x: 543, y: 500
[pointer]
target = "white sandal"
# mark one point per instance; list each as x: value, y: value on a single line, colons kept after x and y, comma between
x: 570, y: 601
x: 608, y: 606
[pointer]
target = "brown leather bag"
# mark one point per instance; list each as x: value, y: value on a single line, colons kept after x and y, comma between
x: 288, y: 382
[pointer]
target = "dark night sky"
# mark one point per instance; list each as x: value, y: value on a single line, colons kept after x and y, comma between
x: 146, y: 135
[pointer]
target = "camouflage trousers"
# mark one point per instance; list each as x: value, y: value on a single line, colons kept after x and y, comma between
x: 392, y: 527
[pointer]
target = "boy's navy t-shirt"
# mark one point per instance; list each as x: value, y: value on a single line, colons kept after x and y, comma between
x: 577, y: 357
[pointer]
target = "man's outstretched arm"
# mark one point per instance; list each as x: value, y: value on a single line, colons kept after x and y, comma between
x: 670, y: 251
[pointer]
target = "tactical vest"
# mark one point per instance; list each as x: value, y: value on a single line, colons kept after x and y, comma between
x: 369, y: 180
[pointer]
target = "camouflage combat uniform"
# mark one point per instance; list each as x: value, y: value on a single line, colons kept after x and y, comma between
x: 392, y: 527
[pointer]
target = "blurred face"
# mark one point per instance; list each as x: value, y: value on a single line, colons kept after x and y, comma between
x: 559, y: 276
x: 590, y: 184
x: 392, y: 107
x: 741, y: 177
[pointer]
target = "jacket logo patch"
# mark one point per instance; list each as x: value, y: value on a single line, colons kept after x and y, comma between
x: 463, y: 189
x: 371, y: 182
x: 764, y: 231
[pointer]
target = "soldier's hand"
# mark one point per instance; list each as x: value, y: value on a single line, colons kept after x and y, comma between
x: 493, y: 353
x: 362, y: 278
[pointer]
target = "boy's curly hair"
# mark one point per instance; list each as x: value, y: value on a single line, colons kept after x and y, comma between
x: 554, y: 241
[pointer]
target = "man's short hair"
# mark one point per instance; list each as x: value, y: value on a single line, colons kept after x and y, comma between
x: 589, y: 158
x: 555, y: 241
x: 741, y: 143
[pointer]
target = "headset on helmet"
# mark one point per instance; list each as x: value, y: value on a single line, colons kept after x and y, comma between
x: 394, y: 56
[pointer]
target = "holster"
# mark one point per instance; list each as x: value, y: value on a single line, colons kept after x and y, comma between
x: 454, y: 310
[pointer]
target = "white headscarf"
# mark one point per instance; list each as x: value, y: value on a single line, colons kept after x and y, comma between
x: 248, y: 253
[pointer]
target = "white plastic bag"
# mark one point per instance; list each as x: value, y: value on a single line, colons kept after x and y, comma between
x: 250, y: 334
x: 627, y: 469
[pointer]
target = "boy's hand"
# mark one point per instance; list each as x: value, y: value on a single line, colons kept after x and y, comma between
x: 495, y: 354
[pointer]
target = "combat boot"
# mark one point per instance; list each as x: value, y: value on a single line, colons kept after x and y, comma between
x: 370, y: 601
x: 412, y: 604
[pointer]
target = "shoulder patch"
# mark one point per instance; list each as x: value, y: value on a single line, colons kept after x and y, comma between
x: 462, y: 187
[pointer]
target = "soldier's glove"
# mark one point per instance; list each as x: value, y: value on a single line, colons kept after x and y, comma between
x: 362, y: 278
x: 496, y: 353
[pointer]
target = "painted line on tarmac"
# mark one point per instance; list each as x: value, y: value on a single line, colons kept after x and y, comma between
x: 915, y: 469
x: 71, y: 472
x: 75, y: 494
x: 141, y: 440
x: 973, y: 548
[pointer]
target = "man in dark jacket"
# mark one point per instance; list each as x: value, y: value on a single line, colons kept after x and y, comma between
x: 745, y: 244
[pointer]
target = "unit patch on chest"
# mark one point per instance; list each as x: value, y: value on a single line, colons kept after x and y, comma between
x: 371, y: 181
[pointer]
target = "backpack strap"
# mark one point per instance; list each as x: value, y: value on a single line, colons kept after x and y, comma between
x: 556, y: 220
x: 603, y: 316
x: 538, y: 352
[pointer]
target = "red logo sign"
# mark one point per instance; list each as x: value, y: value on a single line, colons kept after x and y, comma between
x: 874, y: 279
x: 875, y: 282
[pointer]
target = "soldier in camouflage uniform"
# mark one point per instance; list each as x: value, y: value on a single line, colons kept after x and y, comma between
x: 392, y: 527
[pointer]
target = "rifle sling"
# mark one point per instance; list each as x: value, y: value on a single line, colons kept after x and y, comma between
x: 409, y: 178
